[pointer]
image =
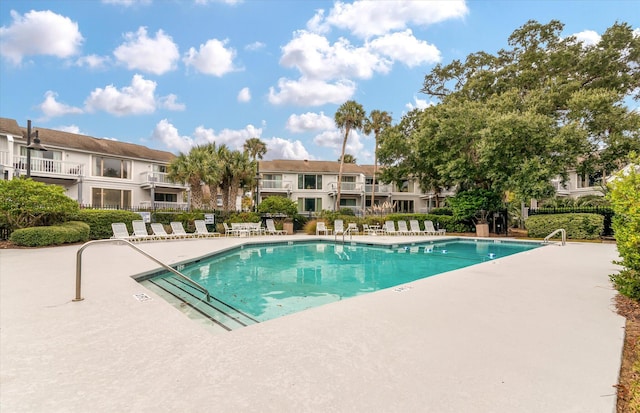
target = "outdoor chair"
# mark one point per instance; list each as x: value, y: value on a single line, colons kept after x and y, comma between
x: 322, y: 227
x: 120, y: 231
x: 271, y: 228
x: 414, y: 227
x: 202, y: 231
x: 178, y: 230
x: 429, y: 229
x: 338, y: 227
x: 140, y: 231
x: 160, y: 232
x: 390, y: 228
x: 402, y: 228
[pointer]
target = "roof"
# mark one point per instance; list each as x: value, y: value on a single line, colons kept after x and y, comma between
x: 285, y: 165
x: 65, y: 140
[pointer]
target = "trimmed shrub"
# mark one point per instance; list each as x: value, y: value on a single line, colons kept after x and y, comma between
x: 100, y: 220
x: 69, y: 232
x: 450, y: 223
x: 278, y: 205
x: 578, y: 226
x: 625, y: 199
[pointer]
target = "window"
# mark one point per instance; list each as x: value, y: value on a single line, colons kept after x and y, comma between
x: 271, y: 181
x: 44, y: 161
x: 309, y: 204
x: 111, y: 167
x: 407, y: 186
x: 160, y: 197
x: 309, y: 181
x: 403, y: 206
x: 160, y: 168
x: 347, y: 202
x: 110, y: 198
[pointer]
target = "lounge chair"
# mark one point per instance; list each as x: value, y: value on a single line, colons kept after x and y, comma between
x: 120, y: 231
x: 390, y: 228
x: 367, y: 231
x: 202, y: 231
x: 402, y: 228
x: 353, y: 228
x: 256, y: 228
x: 429, y: 229
x: 179, y: 232
x: 160, y: 233
x: 271, y: 228
x: 338, y: 227
x: 140, y: 231
x: 322, y: 227
x: 414, y: 227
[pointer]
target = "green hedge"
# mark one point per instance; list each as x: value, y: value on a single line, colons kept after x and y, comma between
x: 69, y: 232
x: 578, y: 226
x: 100, y: 220
x: 451, y: 224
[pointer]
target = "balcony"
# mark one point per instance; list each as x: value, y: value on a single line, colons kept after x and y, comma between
x: 346, y: 187
x: 49, y: 168
x: 560, y: 189
x: 272, y: 185
x: 159, y: 180
x: 380, y: 188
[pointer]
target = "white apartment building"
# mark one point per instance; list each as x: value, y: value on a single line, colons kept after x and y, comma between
x: 97, y: 172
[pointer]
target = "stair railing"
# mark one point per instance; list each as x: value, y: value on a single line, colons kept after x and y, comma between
x: 125, y: 242
x: 563, y: 233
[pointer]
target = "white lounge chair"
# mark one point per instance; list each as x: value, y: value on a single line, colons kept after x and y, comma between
x: 353, y: 228
x: 140, y: 231
x: 202, y: 231
x: 271, y: 228
x: 178, y: 230
x: 120, y: 231
x: 321, y: 227
x: 338, y: 227
x: 429, y: 229
x: 402, y: 228
x: 390, y: 228
x: 160, y: 233
x: 414, y: 227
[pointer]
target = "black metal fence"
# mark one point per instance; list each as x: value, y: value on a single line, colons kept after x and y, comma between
x: 606, y: 212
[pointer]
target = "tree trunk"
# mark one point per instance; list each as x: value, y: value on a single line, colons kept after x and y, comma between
x: 375, y: 171
x: 344, y: 147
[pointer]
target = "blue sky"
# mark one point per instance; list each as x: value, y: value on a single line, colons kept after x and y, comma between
x: 173, y: 74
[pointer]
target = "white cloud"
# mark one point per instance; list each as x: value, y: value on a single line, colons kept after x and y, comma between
x: 131, y: 100
x: 230, y: 2
x: 588, y: 37
x: 234, y: 139
x: 212, y: 58
x: 39, y: 33
x: 70, y: 129
x: 166, y: 133
x: 404, y: 47
x: 169, y: 102
x: 418, y: 104
x: 278, y: 148
x: 153, y: 55
x: 305, y: 92
x: 334, y: 138
x: 636, y: 32
x: 127, y: 3
x: 244, y: 95
x: 309, y: 122
x: 316, y: 58
x: 52, y: 108
x: 255, y: 46
x: 92, y: 61
x: 374, y: 18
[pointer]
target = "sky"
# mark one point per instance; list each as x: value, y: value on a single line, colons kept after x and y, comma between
x: 174, y: 74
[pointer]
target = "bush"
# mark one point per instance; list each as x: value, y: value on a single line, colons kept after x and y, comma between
x: 69, y: 232
x: 26, y: 203
x: 278, y: 205
x: 625, y: 199
x: 578, y: 226
x: 466, y: 205
x: 451, y: 224
x: 100, y: 220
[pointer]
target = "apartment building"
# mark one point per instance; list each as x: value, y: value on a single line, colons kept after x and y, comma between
x: 97, y: 172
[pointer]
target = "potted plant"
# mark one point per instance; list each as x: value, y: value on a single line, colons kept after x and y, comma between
x: 482, y: 223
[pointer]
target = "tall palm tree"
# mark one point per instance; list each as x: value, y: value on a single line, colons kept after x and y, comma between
x: 256, y: 150
x: 348, y: 158
x: 376, y: 122
x: 350, y: 115
x: 195, y: 168
x: 237, y: 170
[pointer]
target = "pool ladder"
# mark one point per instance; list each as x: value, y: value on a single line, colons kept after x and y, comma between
x: 346, y: 231
x: 563, y: 233
x: 125, y: 242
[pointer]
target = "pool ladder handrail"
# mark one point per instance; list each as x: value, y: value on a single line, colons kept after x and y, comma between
x: 346, y: 231
x: 562, y: 231
x: 125, y: 242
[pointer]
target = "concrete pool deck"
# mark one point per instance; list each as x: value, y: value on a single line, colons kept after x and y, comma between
x: 534, y: 332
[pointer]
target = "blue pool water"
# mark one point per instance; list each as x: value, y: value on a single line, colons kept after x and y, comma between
x: 262, y: 282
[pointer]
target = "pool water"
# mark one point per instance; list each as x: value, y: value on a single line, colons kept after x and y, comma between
x: 262, y: 282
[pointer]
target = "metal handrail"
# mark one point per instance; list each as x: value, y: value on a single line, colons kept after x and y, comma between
x: 346, y: 231
x: 562, y: 231
x: 123, y: 241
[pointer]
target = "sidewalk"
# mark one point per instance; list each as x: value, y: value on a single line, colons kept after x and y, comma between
x: 535, y: 332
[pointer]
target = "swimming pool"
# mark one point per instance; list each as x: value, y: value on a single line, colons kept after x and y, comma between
x: 259, y: 282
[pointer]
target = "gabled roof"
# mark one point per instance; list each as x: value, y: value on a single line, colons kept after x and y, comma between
x: 65, y: 140
x: 286, y: 165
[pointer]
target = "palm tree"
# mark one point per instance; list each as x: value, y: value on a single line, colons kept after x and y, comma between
x: 256, y: 150
x: 348, y: 158
x: 350, y: 115
x: 237, y: 170
x: 195, y: 168
x: 376, y: 122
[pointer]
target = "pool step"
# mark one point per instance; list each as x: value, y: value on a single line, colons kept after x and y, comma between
x: 192, y: 302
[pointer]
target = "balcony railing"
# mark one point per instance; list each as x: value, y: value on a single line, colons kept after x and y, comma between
x: 41, y: 166
x: 159, y: 179
x: 560, y: 188
x: 268, y: 184
x: 346, y: 186
x: 380, y: 188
